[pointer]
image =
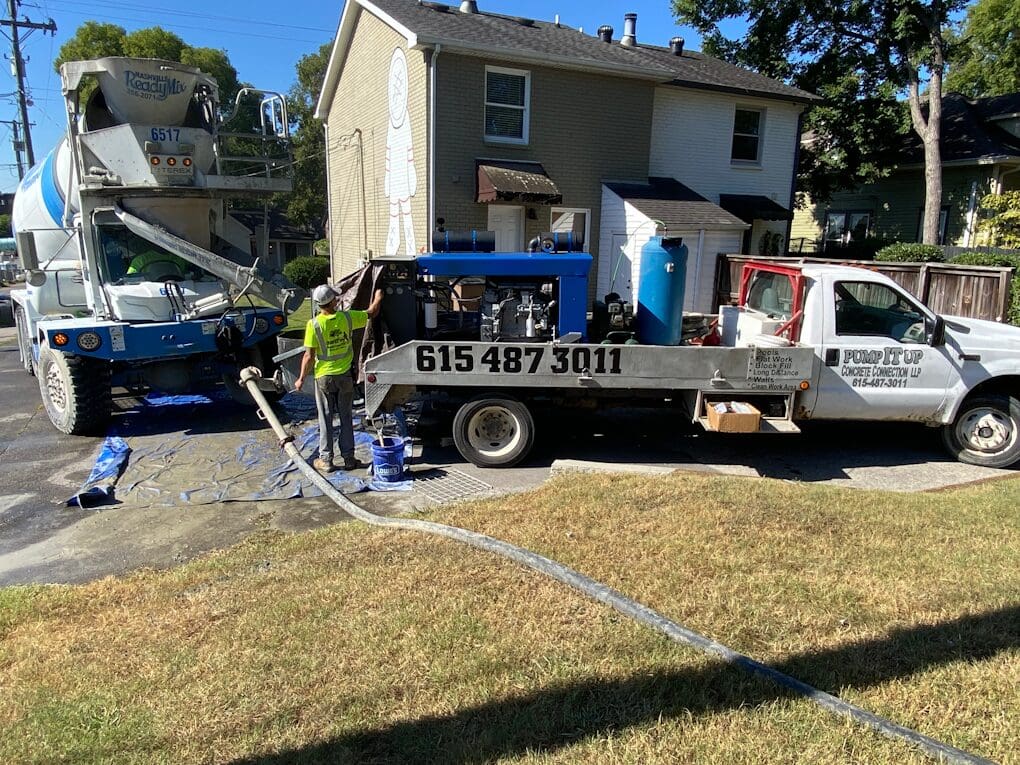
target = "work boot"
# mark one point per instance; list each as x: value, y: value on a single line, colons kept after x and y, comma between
x: 352, y: 463
x: 323, y: 466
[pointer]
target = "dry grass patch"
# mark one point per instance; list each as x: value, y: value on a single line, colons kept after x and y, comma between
x: 361, y: 645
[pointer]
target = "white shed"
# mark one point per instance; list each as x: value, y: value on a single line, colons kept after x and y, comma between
x: 632, y: 213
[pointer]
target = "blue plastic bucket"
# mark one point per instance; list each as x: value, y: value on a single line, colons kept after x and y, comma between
x: 388, y: 459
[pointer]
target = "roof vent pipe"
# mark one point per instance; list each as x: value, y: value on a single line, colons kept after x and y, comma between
x: 676, y: 46
x: 468, y: 6
x: 605, y: 33
x: 629, y: 38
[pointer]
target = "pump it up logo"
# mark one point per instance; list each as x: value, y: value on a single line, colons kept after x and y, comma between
x: 152, y: 87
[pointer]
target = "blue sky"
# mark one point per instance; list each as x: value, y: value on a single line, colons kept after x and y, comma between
x: 263, y: 39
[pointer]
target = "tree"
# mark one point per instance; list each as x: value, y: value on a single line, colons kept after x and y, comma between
x: 987, y: 60
x: 92, y: 40
x: 95, y: 40
x: 307, y: 204
x: 859, y: 54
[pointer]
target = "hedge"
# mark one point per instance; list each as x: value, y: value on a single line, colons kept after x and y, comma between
x: 910, y: 252
x: 307, y: 272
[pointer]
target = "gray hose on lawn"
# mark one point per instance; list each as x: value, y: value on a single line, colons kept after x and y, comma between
x: 603, y: 594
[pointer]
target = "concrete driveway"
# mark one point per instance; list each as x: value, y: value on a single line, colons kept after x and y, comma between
x: 42, y: 540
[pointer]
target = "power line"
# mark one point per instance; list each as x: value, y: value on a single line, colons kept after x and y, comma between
x: 175, y: 26
x: 204, y: 16
x: 19, y: 70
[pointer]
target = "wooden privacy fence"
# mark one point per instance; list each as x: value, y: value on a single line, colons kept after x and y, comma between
x: 980, y: 292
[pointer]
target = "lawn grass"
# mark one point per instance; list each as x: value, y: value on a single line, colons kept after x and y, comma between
x: 355, y: 644
x: 300, y: 317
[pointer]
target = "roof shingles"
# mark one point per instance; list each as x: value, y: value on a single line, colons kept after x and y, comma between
x: 507, y: 36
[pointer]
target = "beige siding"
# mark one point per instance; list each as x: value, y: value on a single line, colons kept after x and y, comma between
x: 359, y: 207
x: 584, y: 128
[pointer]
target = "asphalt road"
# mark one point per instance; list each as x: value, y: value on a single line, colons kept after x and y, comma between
x: 42, y: 540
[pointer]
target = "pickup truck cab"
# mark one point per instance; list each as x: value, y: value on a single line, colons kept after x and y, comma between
x: 883, y: 355
x: 807, y: 342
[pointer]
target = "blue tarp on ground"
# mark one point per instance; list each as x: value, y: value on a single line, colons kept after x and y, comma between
x: 178, y: 450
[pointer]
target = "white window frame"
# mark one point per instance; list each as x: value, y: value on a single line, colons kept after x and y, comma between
x: 761, y: 111
x: 526, y: 122
x: 587, y: 221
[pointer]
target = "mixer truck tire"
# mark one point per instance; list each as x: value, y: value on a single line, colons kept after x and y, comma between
x: 986, y: 432
x: 75, y: 392
x: 493, y: 431
x: 24, y: 341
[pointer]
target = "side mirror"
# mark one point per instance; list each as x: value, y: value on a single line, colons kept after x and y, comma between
x: 937, y: 336
x: 29, y: 258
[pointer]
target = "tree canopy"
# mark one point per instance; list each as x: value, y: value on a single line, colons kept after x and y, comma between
x: 96, y: 40
x: 987, y: 60
x: 860, y: 57
x: 307, y: 204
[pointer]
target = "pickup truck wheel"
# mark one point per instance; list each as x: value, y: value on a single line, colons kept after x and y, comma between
x: 24, y: 341
x: 75, y: 392
x: 493, y: 431
x: 986, y: 432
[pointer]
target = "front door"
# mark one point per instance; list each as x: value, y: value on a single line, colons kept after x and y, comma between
x: 876, y: 363
x: 508, y: 223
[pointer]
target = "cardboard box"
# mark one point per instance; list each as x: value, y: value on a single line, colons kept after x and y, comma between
x: 467, y: 295
x: 732, y: 417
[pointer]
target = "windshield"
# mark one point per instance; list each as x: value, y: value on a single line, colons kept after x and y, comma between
x: 125, y: 257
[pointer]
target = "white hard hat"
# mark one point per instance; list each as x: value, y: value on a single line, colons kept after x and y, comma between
x: 324, y: 294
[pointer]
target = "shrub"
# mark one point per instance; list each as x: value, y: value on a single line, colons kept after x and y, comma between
x: 979, y: 258
x: 307, y: 272
x: 1000, y: 219
x: 910, y: 252
x: 321, y: 248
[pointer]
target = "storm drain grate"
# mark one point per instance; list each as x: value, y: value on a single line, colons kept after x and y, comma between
x: 447, y: 485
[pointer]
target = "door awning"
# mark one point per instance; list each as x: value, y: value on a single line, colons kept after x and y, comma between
x: 752, y: 207
x: 525, y: 182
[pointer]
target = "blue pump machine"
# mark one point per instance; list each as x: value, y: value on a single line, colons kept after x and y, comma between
x: 568, y: 269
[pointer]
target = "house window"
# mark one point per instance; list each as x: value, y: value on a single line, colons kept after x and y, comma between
x: 747, y: 125
x: 573, y: 220
x: 845, y: 226
x: 507, y: 98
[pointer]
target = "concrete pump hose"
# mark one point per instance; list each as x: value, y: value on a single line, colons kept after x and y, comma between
x: 604, y: 594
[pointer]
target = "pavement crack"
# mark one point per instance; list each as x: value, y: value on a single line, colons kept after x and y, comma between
x: 21, y: 432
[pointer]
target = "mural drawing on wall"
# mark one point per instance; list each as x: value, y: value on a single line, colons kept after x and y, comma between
x: 401, y: 180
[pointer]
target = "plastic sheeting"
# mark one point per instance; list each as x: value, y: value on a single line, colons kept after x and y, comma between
x: 180, y: 450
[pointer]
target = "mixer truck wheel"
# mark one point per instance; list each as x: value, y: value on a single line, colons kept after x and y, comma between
x: 75, y: 392
x: 24, y: 341
x: 986, y: 432
x: 493, y: 431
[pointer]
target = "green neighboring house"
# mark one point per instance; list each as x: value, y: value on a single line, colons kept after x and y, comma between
x: 517, y: 126
x: 980, y: 155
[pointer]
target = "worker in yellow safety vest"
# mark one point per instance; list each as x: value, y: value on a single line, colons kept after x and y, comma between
x: 330, y: 352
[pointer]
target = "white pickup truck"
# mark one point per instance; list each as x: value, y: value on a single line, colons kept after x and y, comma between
x: 811, y: 342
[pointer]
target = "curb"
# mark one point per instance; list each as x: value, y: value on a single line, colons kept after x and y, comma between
x: 585, y: 466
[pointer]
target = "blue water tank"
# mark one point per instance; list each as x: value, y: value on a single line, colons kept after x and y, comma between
x: 661, y: 283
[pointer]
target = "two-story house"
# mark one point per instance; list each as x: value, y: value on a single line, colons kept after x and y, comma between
x: 980, y: 148
x: 450, y: 115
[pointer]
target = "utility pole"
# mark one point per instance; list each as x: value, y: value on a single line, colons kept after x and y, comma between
x: 18, y: 64
x: 17, y: 144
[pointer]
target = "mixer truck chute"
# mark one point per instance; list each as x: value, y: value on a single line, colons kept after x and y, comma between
x: 137, y: 276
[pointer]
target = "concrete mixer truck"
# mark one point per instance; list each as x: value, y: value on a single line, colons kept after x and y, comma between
x: 137, y: 276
